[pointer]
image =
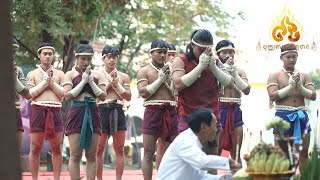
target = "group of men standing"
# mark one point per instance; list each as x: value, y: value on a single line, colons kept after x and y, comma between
x: 173, y: 86
x: 197, y: 78
x: 95, y: 113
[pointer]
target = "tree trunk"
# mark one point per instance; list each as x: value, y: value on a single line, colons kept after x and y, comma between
x: 68, y: 55
x: 46, y: 36
x: 132, y: 55
x: 9, y: 152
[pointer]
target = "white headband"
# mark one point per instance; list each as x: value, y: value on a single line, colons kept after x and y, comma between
x: 288, y: 51
x: 15, y: 45
x: 153, y: 49
x: 46, y: 47
x: 83, y: 54
x: 108, y: 54
x: 172, y: 51
x: 226, y: 48
x: 201, y: 45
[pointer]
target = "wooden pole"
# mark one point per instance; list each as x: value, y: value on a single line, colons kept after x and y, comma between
x: 9, y: 152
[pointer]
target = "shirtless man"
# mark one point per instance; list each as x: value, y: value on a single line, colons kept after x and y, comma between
x: 230, y: 99
x: 172, y: 52
x: 46, y: 117
x: 20, y: 88
x: 289, y: 88
x: 160, y: 116
x: 111, y: 110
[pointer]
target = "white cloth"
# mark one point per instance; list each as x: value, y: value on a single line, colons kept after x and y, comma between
x: 184, y: 159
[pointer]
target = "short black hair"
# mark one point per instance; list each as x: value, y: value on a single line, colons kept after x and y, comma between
x: 45, y: 44
x: 159, y: 44
x: 172, y: 47
x: 110, y: 50
x: 199, y: 116
x: 223, y: 43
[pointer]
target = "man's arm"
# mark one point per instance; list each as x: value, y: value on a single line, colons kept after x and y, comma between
x: 36, y: 90
x: 21, y: 84
x: 21, y: 76
x: 145, y: 89
x: 307, y: 90
x: 196, y: 158
x: 224, y: 78
x: 142, y: 83
x: 126, y: 86
x: 57, y: 87
x: 273, y: 87
x: 241, y: 80
x: 177, y: 72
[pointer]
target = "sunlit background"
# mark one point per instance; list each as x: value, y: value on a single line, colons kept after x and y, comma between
x: 249, y: 33
x: 259, y: 18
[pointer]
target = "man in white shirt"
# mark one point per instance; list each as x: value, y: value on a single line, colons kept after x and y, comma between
x: 184, y: 159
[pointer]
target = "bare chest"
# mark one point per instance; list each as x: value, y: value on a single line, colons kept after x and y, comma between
x: 38, y: 77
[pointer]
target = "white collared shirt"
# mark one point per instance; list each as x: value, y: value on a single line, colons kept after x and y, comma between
x: 185, y: 160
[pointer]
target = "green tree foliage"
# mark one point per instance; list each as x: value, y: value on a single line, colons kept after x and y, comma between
x: 311, y: 169
x: 32, y: 20
x: 141, y: 21
x: 315, y: 77
x: 129, y: 25
x: 61, y: 22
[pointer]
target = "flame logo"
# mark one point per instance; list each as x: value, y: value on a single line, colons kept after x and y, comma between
x: 286, y: 26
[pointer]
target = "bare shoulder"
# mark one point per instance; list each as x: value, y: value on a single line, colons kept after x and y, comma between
x: 144, y: 69
x: 241, y: 70
x: 70, y: 73
x: 178, y: 63
x: 143, y: 72
x: 123, y: 75
x: 30, y: 74
x: 274, y: 76
x: 59, y: 72
x: 177, y: 60
x: 100, y: 70
x: 304, y: 74
x: 33, y: 71
x: 276, y: 72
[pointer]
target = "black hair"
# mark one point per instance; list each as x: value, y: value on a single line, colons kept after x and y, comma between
x: 172, y: 47
x: 84, y: 47
x: 43, y: 45
x: 199, y: 116
x: 159, y: 44
x: 288, y: 47
x: 223, y: 43
x: 110, y: 49
x: 199, y: 36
